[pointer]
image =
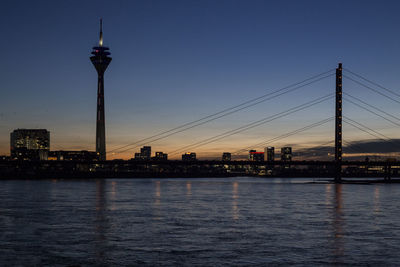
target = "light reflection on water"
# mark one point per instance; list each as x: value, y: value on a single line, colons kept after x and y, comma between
x: 101, y: 222
x: 157, y: 201
x: 188, y: 188
x: 338, y: 221
x: 376, y: 200
x: 235, y: 196
x: 221, y: 221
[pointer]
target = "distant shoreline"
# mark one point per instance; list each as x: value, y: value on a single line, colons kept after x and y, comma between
x: 193, y: 169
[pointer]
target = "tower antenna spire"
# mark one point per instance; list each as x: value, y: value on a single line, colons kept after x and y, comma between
x: 101, y: 33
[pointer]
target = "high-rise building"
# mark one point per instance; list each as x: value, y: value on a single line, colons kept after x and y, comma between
x: 100, y: 60
x: 226, y: 156
x: 256, y: 156
x: 161, y: 156
x: 189, y: 156
x: 251, y: 154
x: 286, y: 153
x: 145, y: 153
x: 30, y: 144
x: 270, y: 153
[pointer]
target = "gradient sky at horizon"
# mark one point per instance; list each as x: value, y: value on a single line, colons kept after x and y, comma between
x: 177, y: 61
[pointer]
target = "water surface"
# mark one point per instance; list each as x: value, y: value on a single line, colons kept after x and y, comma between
x: 203, y: 221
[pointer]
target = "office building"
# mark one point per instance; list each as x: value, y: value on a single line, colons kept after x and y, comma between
x: 100, y: 60
x: 81, y: 155
x: 256, y: 156
x: 286, y: 153
x: 30, y: 144
x: 189, y: 156
x: 161, y: 156
x: 251, y: 154
x: 270, y: 153
x: 145, y: 153
x: 226, y: 156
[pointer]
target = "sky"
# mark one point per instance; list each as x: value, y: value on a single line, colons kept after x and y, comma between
x: 178, y: 61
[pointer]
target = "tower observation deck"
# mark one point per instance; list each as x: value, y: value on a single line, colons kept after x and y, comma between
x: 100, y: 60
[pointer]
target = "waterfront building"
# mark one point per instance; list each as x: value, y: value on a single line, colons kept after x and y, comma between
x: 30, y: 144
x: 145, y: 153
x: 161, y: 156
x: 226, y: 156
x: 81, y: 155
x: 189, y: 156
x: 100, y: 60
x: 256, y: 156
x: 270, y: 153
x: 286, y: 153
x: 251, y: 154
x: 4, y: 158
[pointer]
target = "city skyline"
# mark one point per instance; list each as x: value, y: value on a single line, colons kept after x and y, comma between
x: 179, y: 76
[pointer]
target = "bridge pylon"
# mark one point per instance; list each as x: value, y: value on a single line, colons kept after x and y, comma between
x: 338, y: 126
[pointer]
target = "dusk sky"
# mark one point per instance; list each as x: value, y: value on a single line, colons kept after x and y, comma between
x: 177, y: 61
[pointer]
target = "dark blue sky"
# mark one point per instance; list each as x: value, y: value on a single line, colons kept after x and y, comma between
x: 176, y: 61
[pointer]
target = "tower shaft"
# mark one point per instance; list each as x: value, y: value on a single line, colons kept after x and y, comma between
x: 100, y: 120
x: 338, y: 126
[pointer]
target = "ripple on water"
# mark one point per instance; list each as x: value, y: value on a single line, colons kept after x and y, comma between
x: 224, y: 221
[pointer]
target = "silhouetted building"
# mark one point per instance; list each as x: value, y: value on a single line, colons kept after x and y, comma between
x: 145, y: 153
x: 100, y: 60
x: 251, y: 154
x: 256, y: 156
x: 161, y: 156
x: 30, y: 144
x: 81, y: 155
x: 4, y: 158
x: 189, y: 156
x: 286, y: 153
x: 270, y: 153
x: 226, y: 156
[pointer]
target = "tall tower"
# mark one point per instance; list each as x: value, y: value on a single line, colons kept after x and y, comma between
x: 100, y: 60
x: 338, y: 126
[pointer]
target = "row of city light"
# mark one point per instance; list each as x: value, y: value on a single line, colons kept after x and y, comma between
x: 34, y: 144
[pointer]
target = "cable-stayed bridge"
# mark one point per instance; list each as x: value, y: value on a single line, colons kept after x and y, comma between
x: 338, y: 95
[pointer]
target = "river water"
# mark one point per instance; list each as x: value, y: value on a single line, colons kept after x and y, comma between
x: 203, y: 221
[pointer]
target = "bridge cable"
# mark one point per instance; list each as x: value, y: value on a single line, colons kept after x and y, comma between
x: 369, y: 129
x: 187, y: 126
x: 315, y: 147
x: 372, y: 89
x: 375, y: 134
x: 369, y: 105
x: 383, y: 117
x: 349, y: 145
x: 254, y: 124
x: 310, y: 126
x: 324, y: 144
x: 360, y: 150
x: 227, y: 111
x: 286, y: 135
x: 374, y: 83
